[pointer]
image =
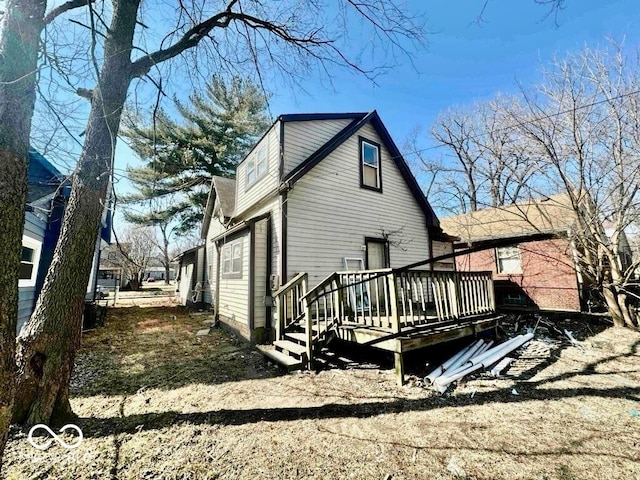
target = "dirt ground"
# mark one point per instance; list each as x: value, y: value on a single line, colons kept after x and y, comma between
x: 156, y: 400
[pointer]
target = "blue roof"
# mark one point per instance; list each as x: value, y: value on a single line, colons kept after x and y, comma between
x: 44, y: 178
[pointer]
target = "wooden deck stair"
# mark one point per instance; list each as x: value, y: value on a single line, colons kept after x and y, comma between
x: 395, y: 312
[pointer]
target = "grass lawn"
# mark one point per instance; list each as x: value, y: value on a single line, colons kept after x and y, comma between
x: 157, y: 401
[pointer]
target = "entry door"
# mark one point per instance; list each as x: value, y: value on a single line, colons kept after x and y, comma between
x: 377, y: 254
x: 377, y: 258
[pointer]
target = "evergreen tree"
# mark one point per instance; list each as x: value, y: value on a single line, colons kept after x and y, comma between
x: 215, y: 131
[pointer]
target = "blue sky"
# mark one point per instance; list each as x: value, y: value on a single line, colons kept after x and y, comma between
x: 464, y: 60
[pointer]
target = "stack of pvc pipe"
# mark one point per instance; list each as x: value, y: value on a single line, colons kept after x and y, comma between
x: 474, y: 357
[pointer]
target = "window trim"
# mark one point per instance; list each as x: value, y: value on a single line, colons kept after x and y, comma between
x: 253, y: 160
x: 229, y: 247
x: 36, y: 246
x: 361, y: 143
x: 498, y: 269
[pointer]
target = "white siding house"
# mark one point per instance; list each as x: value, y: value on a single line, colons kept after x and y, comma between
x: 316, y: 192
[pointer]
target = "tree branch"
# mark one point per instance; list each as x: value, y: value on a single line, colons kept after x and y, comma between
x: 65, y: 7
x: 194, y: 35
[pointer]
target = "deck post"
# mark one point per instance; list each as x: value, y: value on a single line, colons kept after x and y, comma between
x: 337, y: 298
x: 454, y: 297
x: 280, y: 317
x: 491, y: 293
x: 308, y: 322
x: 393, y: 301
x: 395, y: 328
x: 399, y: 366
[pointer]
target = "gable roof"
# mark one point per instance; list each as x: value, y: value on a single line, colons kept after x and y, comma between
x: 224, y: 189
x: 359, y: 120
x: 554, y: 214
x: 226, y: 192
x: 43, y: 178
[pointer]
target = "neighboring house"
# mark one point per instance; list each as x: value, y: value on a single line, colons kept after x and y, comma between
x: 538, y: 271
x: 155, y: 269
x: 191, y: 277
x: 318, y: 193
x: 47, y: 195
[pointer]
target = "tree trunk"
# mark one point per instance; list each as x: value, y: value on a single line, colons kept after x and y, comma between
x: 19, y: 37
x: 47, y: 347
x: 618, y: 307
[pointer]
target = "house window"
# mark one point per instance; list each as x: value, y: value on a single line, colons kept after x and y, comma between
x: 370, y: 165
x: 29, y: 262
x: 256, y: 166
x: 232, y: 260
x: 508, y: 260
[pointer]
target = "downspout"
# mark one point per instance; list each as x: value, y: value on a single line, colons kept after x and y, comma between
x: 268, y: 292
x: 216, y: 307
x: 252, y: 278
x: 283, y: 213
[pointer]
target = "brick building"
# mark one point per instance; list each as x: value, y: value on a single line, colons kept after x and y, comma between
x: 538, y: 270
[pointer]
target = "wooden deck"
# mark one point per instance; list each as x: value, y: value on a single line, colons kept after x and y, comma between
x: 397, y: 312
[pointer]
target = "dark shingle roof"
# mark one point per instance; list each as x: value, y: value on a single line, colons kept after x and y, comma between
x: 226, y: 192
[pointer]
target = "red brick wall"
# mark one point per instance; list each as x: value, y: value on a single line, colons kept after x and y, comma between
x: 548, y: 279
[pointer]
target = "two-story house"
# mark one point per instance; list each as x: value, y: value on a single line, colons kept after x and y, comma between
x: 318, y: 193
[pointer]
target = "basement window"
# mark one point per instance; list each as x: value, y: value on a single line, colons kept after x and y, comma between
x: 508, y: 260
x: 370, y: 175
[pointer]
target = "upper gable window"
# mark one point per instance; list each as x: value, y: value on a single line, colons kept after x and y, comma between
x: 370, y: 172
x: 256, y: 165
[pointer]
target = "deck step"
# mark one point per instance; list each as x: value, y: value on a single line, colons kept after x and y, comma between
x: 285, y: 361
x: 298, y: 337
x: 291, y: 347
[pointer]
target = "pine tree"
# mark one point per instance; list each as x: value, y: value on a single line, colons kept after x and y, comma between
x: 215, y: 131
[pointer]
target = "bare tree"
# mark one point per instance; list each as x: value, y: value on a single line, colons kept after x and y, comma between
x: 581, y: 125
x: 136, y: 248
x: 294, y: 37
x: 20, y: 26
x: 483, y: 164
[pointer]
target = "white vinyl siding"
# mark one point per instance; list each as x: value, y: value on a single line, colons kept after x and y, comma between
x: 329, y: 215
x: 248, y: 194
x: 216, y: 227
x: 443, y: 248
x: 234, y: 292
x: 301, y: 139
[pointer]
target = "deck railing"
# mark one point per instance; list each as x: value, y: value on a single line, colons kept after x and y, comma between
x: 380, y: 299
x: 383, y: 299
x: 289, y: 307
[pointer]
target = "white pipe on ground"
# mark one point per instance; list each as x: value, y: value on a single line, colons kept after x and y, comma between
x: 502, y: 364
x: 485, y: 360
x: 446, y: 365
x: 492, y: 351
x: 479, y: 346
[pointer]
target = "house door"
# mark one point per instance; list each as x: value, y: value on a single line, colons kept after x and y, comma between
x: 377, y: 258
x: 377, y: 253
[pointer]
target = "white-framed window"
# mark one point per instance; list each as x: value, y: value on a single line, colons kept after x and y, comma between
x: 29, y: 261
x: 508, y: 260
x: 370, y: 174
x: 232, y: 260
x: 256, y: 165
